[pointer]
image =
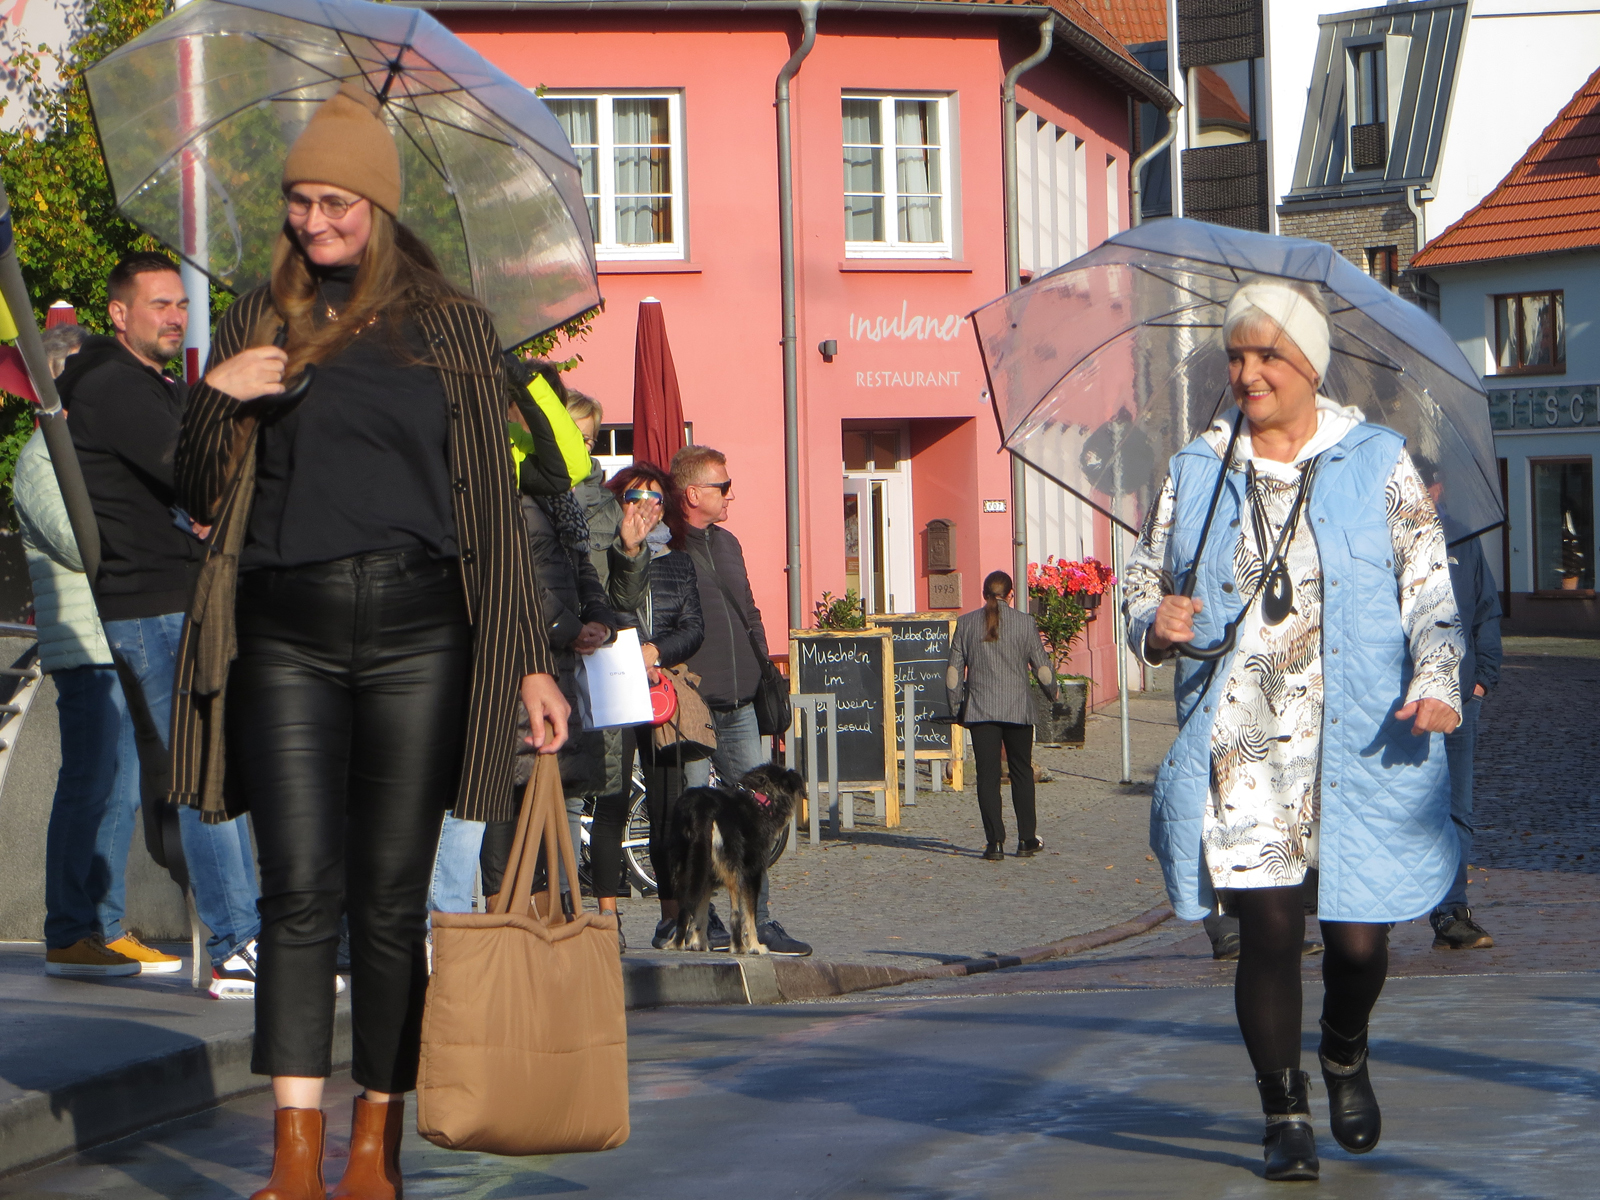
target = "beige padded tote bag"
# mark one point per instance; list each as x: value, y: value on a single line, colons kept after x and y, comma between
x: 525, y: 1036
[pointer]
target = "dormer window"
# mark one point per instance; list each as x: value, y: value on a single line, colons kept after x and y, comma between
x: 1369, y: 141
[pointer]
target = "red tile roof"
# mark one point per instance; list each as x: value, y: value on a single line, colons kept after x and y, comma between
x: 1550, y: 201
x: 1133, y: 21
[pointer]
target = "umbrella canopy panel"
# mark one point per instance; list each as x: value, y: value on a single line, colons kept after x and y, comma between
x: 197, y: 114
x: 1103, y: 369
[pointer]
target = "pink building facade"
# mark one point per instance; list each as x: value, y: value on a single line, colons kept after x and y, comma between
x: 899, y: 233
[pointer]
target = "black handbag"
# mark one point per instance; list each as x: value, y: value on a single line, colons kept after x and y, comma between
x: 773, y: 711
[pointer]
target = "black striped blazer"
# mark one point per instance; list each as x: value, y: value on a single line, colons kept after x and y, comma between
x: 216, y: 484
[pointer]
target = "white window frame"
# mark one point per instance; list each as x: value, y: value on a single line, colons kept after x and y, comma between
x: 892, y: 247
x: 607, y: 248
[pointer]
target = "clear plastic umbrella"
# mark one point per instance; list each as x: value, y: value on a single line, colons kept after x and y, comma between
x: 196, y: 116
x: 1103, y: 369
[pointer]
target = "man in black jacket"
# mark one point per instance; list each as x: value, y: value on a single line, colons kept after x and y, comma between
x: 126, y: 413
x: 727, y: 662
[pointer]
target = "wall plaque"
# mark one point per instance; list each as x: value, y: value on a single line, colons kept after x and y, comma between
x: 944, y: 591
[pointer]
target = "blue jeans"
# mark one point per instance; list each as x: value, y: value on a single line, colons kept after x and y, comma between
x: 455, y: 866
x: 740, y: 749
x: 1458, y: 747
x: 222, y: 871
x: 95, y: 809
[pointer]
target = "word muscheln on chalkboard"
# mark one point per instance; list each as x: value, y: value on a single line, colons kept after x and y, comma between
x: 855, y: 669
x: 921, y: 653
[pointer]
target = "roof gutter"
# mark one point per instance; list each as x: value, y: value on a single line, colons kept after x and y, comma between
x: 1127, y: 72
x: 791, y: 361
x: 1008, y: 173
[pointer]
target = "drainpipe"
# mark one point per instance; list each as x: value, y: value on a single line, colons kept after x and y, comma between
x: 791, y: 364
x: 1416, y: 197
x: 1136, y: 172
x: 1008, y: 167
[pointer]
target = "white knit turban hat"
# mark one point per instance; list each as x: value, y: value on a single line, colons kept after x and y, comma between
x: 1301, y: 320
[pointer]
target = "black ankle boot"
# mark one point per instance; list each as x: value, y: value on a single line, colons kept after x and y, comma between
x: 1290, y: 1146
x: 1352, y: 1106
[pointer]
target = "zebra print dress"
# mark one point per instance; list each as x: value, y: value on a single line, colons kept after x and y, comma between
x: 1260, y: 826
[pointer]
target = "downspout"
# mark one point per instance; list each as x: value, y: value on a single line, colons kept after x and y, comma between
x: 1008, y: 167
x: 1136, y: 172
x: 791, y: 364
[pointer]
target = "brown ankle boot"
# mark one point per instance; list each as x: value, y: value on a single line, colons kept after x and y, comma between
x: 296, y: 1156
x: 373, y: 1172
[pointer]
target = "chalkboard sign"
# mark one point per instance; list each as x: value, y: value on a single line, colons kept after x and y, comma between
x: 921, y: 653
x: 857, y: 668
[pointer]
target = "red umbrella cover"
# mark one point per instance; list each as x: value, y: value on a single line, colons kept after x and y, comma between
x: 14, y: 374
x: 60, y: 313
x: 657, y: 406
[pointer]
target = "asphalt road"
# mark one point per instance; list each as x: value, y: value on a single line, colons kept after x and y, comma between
x: 1114, y: 1074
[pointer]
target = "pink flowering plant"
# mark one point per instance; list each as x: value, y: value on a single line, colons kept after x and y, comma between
x: 1057, y: 592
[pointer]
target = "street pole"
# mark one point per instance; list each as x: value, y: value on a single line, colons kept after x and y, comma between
x: 192, y: 212
x: 1008, y: 164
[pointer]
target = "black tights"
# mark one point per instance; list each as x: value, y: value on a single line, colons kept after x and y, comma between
x: 1266, y: 989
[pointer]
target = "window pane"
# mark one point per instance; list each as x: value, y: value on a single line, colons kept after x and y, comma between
x: 1536, y: 331
x: 1563, y: 525
x: 863, y: 170
x: 886, y: 450
x: 642, y: 172
x: 641, y: 122
x: 1370, y: 82
x: 863, y: 219
x: 920, y: 219
x: 863, y: 123
x: 577, y: 118
x: 1220, y: 100
x: 857, y: 450
x: 916, y: 122
x: 644, y: 220
x: 1505, y: 333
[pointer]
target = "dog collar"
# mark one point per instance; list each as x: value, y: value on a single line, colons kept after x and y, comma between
x: 760, y: 797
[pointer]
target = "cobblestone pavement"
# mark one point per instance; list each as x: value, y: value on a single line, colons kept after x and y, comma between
x: 919, y: 893
x: 1537, y: 783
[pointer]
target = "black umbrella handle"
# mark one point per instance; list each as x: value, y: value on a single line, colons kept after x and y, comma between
x: 308, y: 376
x: 1209, y: 653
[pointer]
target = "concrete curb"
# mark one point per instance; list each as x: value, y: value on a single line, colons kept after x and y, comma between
x: 40, y: 1127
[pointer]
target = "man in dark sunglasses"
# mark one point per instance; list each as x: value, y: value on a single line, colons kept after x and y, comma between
x: 729, y: 660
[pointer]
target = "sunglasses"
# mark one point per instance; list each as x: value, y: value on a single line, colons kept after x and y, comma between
x: 635, y: 495
x: 724, y: 487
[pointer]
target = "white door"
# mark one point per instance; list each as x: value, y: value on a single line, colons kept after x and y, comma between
x: 880, y: 552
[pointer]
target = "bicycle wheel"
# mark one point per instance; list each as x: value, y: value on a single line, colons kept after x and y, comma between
x: 636, y: 840
x: 779, y: 844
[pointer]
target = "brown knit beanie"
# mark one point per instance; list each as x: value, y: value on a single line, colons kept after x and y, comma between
x: 347, y: 144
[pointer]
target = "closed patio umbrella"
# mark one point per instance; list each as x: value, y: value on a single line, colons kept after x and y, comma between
x: 657, y: 406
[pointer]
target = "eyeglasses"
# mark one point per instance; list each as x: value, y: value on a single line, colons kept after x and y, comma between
x: 333, y: 207
x: 634, y: 495
x: 724, y: 487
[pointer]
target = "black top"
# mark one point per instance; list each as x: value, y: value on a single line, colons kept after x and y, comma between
x: 125, y: 418
x: 726, y: 662
x: 362, y: 463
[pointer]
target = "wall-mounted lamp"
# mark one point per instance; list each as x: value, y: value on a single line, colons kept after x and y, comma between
x: 828, y: 349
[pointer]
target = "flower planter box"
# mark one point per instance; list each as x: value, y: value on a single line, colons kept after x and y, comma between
x: 1060, y: 723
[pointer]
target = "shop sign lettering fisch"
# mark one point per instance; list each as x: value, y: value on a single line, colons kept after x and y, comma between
x: 1544, y: 408
x: 905, y: 327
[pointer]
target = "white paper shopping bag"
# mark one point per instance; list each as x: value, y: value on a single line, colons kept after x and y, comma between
x: 619, y: 689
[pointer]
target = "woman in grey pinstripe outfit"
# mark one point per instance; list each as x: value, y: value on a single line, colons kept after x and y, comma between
x: 991, y: 652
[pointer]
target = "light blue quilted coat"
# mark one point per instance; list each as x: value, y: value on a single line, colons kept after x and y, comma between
x: 1387, y: 849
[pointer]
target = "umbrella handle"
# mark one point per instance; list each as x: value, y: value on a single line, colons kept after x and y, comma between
x: 1208, y: 653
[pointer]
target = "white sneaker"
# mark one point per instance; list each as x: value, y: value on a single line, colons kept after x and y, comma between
x: 235, y: 979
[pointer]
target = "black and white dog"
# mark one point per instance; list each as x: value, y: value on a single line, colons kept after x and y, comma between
x: 725, y: 834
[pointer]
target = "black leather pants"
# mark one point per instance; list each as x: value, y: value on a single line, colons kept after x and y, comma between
x: 346, y: 720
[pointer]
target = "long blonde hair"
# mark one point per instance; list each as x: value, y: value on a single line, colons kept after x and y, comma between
x: 397, y: 276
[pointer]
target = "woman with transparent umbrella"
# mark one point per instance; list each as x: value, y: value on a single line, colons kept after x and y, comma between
x: 1294, y: 557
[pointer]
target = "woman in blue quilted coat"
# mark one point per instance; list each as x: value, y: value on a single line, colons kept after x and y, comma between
x: 1316, y: 739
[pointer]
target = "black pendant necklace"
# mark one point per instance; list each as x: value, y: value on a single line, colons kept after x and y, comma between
x: 1277, y: 589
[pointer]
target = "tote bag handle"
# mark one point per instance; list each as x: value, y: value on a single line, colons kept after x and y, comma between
x: 541, y: 821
